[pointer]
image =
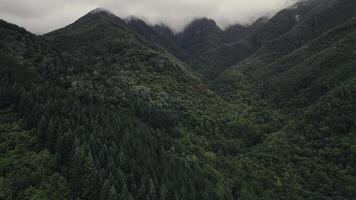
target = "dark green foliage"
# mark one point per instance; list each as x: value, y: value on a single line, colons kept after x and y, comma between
x: 98, y: 111
x: 310, y: 158
x: 160, y: 35
x: 215, y: 61
x: 27, y: 171
x: 199, y: 36
x: 124, y: 116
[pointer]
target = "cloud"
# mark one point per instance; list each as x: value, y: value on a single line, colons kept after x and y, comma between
x: 41, y: 16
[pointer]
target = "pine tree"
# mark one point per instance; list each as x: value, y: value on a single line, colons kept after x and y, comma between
x: 125, y: 194
x: 82, y: 174
x: 112, y: 194
x: 163, y: 192
x: 105, y: 189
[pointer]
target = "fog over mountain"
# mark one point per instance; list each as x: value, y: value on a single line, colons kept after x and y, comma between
x: 41, y: 16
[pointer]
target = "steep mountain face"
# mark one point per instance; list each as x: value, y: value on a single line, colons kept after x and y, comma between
x: 159, y: 34
x: 307, y: 72
x: 101, y: 109
x: 294, y: 61
x: 235, y: 32
x: 164, y: 31
x: 214, y: 62
x: 312, y: 19
x: 199, y: 36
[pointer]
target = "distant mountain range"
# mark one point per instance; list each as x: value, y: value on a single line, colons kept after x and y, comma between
x: 109, y: 108
x: 199, y: 36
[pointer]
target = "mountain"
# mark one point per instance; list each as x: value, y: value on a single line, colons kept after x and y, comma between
x: 308, y: 73
x: 235, y: 32
x: 119, y: 116
x: 200, y: 35
x: 298, y: 58
x: 159, y: 34
x: 105, y: 108
x: 214, y: 62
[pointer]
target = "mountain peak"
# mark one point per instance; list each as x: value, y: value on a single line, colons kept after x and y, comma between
x: 203, y: 22
x: 93, y: 18
x: 101, y: 10
x: 132, y: 18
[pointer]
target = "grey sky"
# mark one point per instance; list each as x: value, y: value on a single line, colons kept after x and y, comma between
x: 41, y: 16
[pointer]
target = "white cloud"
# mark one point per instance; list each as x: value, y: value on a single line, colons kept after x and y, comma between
x: 41, y: 16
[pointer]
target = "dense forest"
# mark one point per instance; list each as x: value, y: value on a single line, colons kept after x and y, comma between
x: 117, y: 109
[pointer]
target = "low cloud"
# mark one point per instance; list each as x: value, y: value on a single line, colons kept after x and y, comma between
x: 41, y: 16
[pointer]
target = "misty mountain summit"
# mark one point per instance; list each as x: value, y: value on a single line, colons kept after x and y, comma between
x: 111, y: 108
x: 101, y: 10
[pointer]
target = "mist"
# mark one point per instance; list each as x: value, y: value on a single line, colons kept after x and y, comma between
x: 41, y: 16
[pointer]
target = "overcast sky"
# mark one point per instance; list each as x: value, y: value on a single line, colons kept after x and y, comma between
x: 41, y: 16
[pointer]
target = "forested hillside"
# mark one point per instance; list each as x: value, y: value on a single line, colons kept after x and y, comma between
x: 121, y: 117
x: 108, y: 109
x: 303, y: 64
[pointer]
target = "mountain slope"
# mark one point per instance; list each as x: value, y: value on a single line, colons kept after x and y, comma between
x: 313, y: 157
x: 123, y: 118
x: 99, y: 110
x: 159, y: 35
x: 312, y: 79
x: 89, y: 120
x: 235, y: 32
x: 217, y: 60
x: 199, y: 36
x: 293, y: 66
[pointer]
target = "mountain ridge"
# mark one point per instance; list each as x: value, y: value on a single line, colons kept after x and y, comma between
x: 109, y: 108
